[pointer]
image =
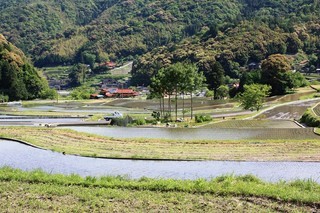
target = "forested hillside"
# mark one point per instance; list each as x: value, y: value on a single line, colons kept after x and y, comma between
x: 18, y: 78
x: 59, y: 31
x: 235, y: 32
x: 266, y: 28
x: 38, y: 26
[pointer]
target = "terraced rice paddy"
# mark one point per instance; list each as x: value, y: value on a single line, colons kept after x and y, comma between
x: 302, y: 92
x: 316, y: 86
x: 199, y: 103
x: 316, y: 109
x: 253, y: 124
x: 72, y: 142
x: 287, y: 112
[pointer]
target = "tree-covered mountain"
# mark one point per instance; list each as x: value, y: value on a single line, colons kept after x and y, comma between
x: 18, y: 78
x: 235, y: 32
x: 266, y: 28
x: 58, y: 31
x: 39, y: 26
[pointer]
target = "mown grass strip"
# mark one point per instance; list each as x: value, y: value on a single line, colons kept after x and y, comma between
x: 72, y: 142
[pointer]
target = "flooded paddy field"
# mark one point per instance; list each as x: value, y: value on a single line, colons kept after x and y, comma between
x: 6, y: 120
x: 24, y: 157
x: 202, y: 133
x: 288, y: 112
x: 254, y: 124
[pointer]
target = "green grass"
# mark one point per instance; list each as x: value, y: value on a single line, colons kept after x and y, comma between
x: 39, y: 191
x: 73, y: 142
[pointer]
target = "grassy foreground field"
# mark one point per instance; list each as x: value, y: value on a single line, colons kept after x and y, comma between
x: 37, y: 191
x: 72, y: 142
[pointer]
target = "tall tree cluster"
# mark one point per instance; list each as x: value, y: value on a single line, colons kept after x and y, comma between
x: 179, y: 78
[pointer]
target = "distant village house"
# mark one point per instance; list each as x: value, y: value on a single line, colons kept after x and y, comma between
x: 108, y: 64
x: 115, y: 93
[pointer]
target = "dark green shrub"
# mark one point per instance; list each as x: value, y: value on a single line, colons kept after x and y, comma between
x: 310, y: 119
x: 156, y: 115
x: 121, y: 121
x: 4, y: 98
x: 202, y: 118
x: 139, y: 121
x: 166, y: 117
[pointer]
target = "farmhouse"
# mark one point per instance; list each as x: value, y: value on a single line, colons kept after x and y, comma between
x: 125, y: 93
x: 115, y: 93
x: 108, y: 64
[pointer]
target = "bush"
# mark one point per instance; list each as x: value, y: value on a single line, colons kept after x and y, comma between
x: 156, y: 115
x: 4, y: 98
x: 121, y: 121
x: 81, y: 93
x: 49, y: 94
x: 139, y: 121
x: 166, y: 117
x: 202, y: 118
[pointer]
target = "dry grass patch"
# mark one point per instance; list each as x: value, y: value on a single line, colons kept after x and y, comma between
x: 72, y: 142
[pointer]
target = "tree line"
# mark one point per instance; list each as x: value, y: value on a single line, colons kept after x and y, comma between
x: 275, y: 77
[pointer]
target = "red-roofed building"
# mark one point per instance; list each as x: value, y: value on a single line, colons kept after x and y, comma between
x: 117, y: 93
x: 125, y: 93
x: 109, y: 64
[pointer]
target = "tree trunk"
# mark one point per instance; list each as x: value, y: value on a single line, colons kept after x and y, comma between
x: 215, y: 96
x: 169, y: 105
x: 183, y: 106
x: 163, y: 105
x: 160, y: 109
x: 176, y: 104
x: 191, y: 107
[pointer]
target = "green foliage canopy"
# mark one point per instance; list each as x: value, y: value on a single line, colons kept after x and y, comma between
x: 19, y: 80
x: 253, y: 96
x: 277, y: 72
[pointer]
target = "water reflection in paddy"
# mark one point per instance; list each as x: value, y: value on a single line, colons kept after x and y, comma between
x: 79, y: 109
x: 32, y: 121
x: 17, y: 155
